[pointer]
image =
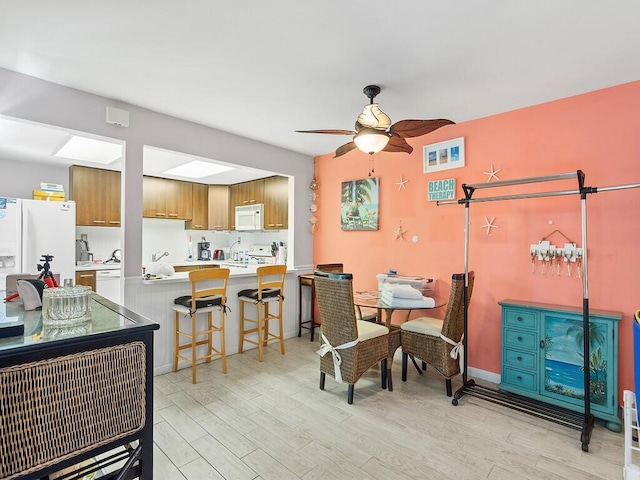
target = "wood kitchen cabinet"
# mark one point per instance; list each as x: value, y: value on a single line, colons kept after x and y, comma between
x: 86, y: 277
x: 246, y: 193
x: 276, y: 203
x: 200, y: 208
x: 218, y: 207
x: 165, y: 198
x: 97, y: 196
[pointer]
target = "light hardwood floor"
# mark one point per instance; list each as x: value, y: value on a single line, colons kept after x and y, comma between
x: 270, y: 421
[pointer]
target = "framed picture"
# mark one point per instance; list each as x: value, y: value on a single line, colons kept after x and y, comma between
x: 443, y: 155
x: 359, y: 204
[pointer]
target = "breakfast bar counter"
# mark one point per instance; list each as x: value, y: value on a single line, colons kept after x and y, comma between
x: 154, y: 298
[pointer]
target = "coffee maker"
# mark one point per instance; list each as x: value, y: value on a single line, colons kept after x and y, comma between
x: 204, y: 253
x: 82, y: 250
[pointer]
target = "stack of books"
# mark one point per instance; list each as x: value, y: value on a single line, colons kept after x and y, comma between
x: 52, y: 192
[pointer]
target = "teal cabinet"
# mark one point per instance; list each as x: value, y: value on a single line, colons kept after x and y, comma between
x: 543, y: 356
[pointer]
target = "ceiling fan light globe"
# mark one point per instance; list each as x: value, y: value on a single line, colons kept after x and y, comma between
x: 370, y: 140
x: 373, y: 117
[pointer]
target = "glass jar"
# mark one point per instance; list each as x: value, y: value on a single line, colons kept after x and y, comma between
x: 66, y: 305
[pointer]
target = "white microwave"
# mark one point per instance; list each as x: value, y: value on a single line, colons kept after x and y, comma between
x: 250, y: 217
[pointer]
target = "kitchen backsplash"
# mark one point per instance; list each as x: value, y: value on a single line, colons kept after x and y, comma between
x: 102, y: 240
x: 161, y: 235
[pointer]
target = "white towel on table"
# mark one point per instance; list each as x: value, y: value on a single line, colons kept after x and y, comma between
x: 401, y: 291
x: 423, y: 302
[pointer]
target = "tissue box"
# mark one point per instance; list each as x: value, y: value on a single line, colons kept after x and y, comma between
x: 426, y: 285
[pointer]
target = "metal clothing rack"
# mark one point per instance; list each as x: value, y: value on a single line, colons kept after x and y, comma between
x: 552, y: 413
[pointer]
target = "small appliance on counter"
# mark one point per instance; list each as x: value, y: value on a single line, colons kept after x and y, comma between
x: 204, y: 252
x: 218, y: 254
x: 83, y: 254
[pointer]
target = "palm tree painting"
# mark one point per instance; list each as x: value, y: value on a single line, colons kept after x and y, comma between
x: 359, y: 207
x: 564, y: 359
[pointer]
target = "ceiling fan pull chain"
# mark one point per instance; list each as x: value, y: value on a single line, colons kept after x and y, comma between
x: 371, y: 164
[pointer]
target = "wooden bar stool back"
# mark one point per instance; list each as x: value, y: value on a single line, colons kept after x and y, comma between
x: 208, y: 294
x: 270, y: 290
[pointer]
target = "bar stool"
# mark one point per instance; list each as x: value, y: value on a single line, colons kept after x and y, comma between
x: 205, y: 299
x: 270, y: 290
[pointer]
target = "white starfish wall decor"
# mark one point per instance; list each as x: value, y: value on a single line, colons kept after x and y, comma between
x: 492, y: 174
x: 401, y: 184
x: 489, y: 224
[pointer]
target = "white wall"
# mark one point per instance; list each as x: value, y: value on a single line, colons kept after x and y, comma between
x: 33, y: 99
x: 19, y: 179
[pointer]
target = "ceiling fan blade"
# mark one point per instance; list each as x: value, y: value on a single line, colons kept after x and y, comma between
x: 397, y: 144
x: 416, y: 128
x: 329, y: 132
x: 346, y: 148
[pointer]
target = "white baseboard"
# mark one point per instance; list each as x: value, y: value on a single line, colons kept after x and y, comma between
x: 484, y: 375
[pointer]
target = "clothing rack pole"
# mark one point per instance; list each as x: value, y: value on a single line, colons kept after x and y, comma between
x: 468, y: 386
x: 524, y: 405
x: 539, y: 409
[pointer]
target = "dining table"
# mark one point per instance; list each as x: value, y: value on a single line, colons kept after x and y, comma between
x: 373, y: 299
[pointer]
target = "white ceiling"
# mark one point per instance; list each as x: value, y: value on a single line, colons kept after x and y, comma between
x: 263, y: 69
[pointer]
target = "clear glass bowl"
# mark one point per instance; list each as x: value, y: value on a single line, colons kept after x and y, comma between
x: 66, y: 305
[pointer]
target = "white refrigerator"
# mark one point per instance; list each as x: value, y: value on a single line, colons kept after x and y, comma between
x: 30, y: 229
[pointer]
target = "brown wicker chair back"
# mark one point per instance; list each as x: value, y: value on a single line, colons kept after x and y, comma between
x: 453, y: 323
x: 334, y: 292
x: 432, y: 348
x: 335, y: 302
x: 330, y: 267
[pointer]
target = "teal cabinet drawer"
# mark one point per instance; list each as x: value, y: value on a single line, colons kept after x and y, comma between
x: 518, y: 338
x: 519, y: 359
x: 520, y: 319
x: 520, y: 379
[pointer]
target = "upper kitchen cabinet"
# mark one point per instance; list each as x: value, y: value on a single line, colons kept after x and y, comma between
x: 200, y: 202
x: 246, y: 193
x: 165, y: 198
x: 276, y: 203
x: 218, y: 207
x: 97, y: 196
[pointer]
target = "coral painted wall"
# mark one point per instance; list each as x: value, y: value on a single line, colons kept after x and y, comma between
x: 595, y: 132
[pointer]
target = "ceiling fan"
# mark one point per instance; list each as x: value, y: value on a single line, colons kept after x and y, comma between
x: 374, y: 131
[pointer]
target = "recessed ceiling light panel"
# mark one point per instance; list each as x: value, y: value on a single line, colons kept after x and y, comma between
x: 197, y: 169
x: 90, y: 150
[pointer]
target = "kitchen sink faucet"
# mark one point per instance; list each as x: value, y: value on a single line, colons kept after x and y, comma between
x: 155, y: 257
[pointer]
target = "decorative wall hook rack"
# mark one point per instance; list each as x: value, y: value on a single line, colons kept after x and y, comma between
x: 550, y: 257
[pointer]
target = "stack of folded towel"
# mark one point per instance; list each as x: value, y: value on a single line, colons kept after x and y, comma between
x: 404, y: 296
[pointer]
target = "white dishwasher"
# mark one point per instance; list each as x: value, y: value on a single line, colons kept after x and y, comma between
x: 108, y: 284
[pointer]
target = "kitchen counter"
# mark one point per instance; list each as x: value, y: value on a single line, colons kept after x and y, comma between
x: 155, y: 299
x: 235, y: 271
x: 98, y: 266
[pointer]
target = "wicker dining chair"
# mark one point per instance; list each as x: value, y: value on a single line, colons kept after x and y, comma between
x: 349, y: 347
x: 432, y: 340
x: 369, y: 315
